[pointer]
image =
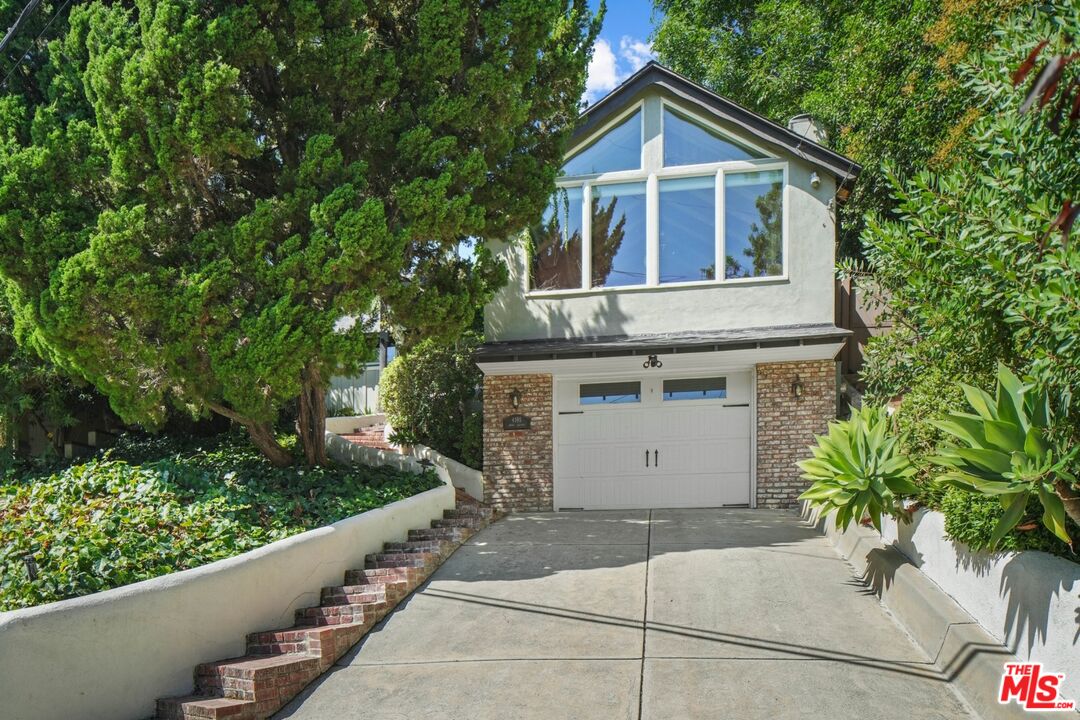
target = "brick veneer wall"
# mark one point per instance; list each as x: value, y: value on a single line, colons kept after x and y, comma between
x: 786, y: 425
x: 517, y: 463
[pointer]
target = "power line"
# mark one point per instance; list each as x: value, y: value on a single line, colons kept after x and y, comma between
x: 14, y: 29
x: 19, y: 22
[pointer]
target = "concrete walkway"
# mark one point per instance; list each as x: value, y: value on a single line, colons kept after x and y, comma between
x: 676, y: 614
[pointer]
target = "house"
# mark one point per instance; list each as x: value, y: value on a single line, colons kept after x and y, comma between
x: 667, y: 337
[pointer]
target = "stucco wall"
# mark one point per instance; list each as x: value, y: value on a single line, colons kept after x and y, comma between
x: 806, y: 297
x: 786, y: 425
x: 1029, y: 601
x: 108, y: 656
x: 518, y: 463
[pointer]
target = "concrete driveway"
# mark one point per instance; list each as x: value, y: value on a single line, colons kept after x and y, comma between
x: 654, y: 614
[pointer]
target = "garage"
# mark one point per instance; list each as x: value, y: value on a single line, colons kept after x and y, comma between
x: 653, y: 441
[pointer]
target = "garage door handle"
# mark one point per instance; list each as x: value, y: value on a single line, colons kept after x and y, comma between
x: 736, y: 404
x: 655, y: 457
x: 646, y: 458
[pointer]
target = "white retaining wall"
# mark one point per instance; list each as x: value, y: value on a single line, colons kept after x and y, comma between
x: 108, y: 656
x: 1029, y: 601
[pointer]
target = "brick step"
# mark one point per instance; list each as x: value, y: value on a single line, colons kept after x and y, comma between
x: 359, y: 594
x: 472, y: 523
x: 410, y: 576
x: 401, y: 559
x: 200, y: 707
x: 469, y: 511
x: 367, y: 613
x: 272, y: 679
x: 442, y: 548
x: 454, y: 535
x: 325, y: 642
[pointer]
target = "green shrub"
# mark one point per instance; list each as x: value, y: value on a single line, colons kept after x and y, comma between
x: 429, y: 395
x: 971, y: 519
x: 1004, y: 451
x: 108, y: 522
x: 858, y: 469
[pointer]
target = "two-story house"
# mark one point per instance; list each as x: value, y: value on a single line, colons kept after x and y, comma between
x: 667, y: 336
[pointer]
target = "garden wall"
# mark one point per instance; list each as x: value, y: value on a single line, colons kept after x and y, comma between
x: 108, y: 656
x: 1029, y: 601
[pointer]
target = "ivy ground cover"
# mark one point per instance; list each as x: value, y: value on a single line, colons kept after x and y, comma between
x: 150, y: 508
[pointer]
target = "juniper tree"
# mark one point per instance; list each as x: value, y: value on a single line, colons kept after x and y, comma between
x: 195, y: 194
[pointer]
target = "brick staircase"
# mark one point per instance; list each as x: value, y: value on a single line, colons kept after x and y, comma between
x: 280, y: 663
x: 372, y: 436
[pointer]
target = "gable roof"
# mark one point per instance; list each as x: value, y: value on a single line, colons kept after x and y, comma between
x: 712, y: 105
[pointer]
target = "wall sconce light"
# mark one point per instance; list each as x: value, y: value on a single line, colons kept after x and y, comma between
x: 652, y: 362
x: 796, y: 387
x: 815, y: 180
x: 515, y: 398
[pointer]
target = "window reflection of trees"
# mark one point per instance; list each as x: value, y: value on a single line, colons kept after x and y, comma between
x: 556, y: 250
x: 606, y: 239
x: 764, y: 251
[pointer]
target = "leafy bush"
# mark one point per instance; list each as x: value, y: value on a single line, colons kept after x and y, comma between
x: 973, y: 268
x: 858, y: 469
x: 1005, y: 452
x: 971, y: 518
x: 109, y: 521
x: 429, y: 395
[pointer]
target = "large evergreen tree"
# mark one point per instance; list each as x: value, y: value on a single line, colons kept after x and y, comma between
x: 194, y: 194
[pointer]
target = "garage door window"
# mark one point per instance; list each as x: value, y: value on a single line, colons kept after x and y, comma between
x: 616, y: 393
x: 714, y: 388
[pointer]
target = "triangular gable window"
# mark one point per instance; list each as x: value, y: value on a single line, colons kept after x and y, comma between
x: 617, y: 149
x: 688, y: 143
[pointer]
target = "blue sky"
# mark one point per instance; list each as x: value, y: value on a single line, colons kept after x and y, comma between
x: 623, y: 45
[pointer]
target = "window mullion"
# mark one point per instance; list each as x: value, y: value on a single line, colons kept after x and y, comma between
x: 652, y: 230
x: 721, y: 258
x: 586, y: 236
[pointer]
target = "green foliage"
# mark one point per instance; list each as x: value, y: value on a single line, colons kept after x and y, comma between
x: 1005, y: 452
x: 971, y: 269
x: 857, y: 468
x: 167, y: 507
x: 881, y: 75
x: 29, y: 386
x: 971, y: 519
x: 193, y: 194
x: 429, y: 395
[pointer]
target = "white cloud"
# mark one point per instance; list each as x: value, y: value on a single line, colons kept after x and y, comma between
x: 636, y: 52
x: 603, y: 71
x: 606, y: 70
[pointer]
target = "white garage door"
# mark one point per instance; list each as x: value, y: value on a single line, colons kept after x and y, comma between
x: 653, y: 442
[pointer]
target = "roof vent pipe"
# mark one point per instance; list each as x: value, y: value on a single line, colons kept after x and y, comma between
x: 805, y: 126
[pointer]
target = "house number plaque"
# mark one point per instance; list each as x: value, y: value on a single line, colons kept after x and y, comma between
x: 517, y: 422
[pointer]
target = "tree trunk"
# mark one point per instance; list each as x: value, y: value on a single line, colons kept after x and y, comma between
x: 1070, y: 498
x: 311, y: 423
x: 262, y: 435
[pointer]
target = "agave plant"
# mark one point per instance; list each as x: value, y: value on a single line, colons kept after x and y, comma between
x: 1004, y: 451
x: 858, y: 469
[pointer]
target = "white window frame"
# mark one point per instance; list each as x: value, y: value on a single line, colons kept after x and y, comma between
x: 651, y: 172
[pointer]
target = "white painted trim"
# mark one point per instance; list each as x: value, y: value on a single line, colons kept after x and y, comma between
x: 554, y: 445
x: 652, y: 231
x: 753, y: 437
x: 630, y: 365
x: 586, y: 237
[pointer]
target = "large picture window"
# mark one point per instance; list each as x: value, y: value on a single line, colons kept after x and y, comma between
x: 683, y: 203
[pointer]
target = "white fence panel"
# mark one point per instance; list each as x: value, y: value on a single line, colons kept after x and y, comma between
x: 357, y: 395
